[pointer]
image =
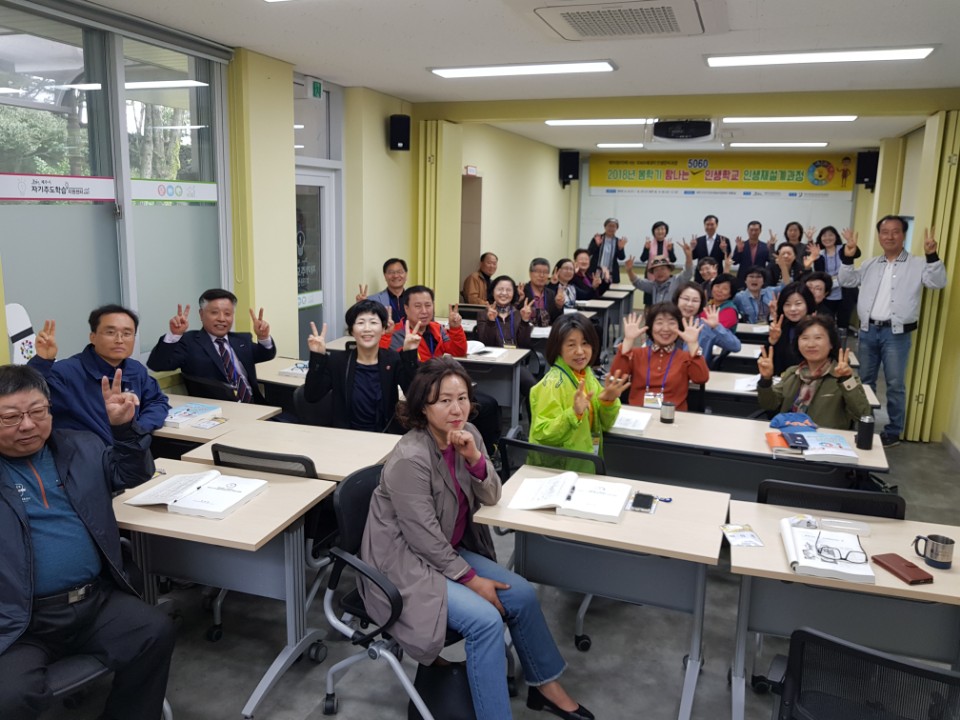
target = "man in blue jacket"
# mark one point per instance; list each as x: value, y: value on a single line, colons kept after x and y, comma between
x: 75, y: 382
x: 214, y: 352
x: 63, y: 590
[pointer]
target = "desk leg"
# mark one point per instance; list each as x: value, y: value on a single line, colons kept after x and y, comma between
x: 515, y: 396
x: 738, y: 671
x: 141, y: 556
x: 299, y: 637
x: 694, y: 659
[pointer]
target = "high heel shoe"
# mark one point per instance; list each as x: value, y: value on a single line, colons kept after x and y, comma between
x: 536, y: 701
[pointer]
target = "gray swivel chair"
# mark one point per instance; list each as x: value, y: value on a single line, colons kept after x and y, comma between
x: 72, y: 674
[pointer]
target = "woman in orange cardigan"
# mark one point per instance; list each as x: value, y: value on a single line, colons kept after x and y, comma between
x: 660, y: 370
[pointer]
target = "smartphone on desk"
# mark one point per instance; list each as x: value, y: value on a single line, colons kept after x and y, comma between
x: 642, y: 502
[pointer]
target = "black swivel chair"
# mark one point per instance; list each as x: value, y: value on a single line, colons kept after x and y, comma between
x: 826, y: 499
x: 69, y: 676
x: 313, y: 413
x: 320, y: 527
x: 514, y: 452
x: 206, y: 388
x: 351, y: 502
x: 830, y: 679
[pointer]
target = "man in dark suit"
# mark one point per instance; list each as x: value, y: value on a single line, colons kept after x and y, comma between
x: 751, y: 253
x: 710, y: 244
x: 215, y: 353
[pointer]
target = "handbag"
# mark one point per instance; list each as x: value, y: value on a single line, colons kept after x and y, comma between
x: 445, y: 691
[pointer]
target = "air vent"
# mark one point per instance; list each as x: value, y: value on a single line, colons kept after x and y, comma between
x: 666, y: 18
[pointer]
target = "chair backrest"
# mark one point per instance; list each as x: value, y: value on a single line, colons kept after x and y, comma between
x: 351, y: 502
x: 515, y: 451
x: 207, y: 388
x: 831, y: 679
x: 313, y: 413
x: 845, y: 500
x: 280, y: 463
x: 697, y: 398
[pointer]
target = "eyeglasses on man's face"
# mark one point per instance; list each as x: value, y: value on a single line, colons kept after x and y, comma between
x: 13, y: 419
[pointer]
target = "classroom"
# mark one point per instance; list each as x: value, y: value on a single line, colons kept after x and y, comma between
x: 249, y: 125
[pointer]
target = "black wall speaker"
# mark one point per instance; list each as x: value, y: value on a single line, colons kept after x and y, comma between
x: 399, y: 132
x: 867, y: 168
x: 569, y: 166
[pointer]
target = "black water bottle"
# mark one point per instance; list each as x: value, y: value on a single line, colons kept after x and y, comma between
x: 865, y: 433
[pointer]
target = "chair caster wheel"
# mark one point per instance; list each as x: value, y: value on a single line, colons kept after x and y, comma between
x: 215, y: 633
x: 582, y: 642
x: 330, y: 704
x: 512, y: 686
x: 317, y: 652
x: 760, y: 684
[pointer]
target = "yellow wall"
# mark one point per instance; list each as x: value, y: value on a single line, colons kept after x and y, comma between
x: 911, y: 172
x: 263, y: 181
x: 380, y: 188
x: 525, y: 211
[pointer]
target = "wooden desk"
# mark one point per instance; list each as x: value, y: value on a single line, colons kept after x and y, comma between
x: 724, y: 398
x: 278, y: 389
x: 752, y: 333
x: 659, y: 559
x: 237, y: 415
x: 622, y: 308
x: 602, y: 308
x: 745, y: 359
x: 334, y: 451
x: 714, y: 452
x: 257, y: 549
x: 499, y: 377
x: 921, y: 621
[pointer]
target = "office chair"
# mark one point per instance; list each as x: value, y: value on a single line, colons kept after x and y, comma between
x: 697, y: 398
x: 351, y: 502
x: 319, y: 524
x: 313, y: 413
x: 206, y: 388
x: 514, y: 452
x: 828, y: 499
x: 72, y: 674
x: 831, y: 679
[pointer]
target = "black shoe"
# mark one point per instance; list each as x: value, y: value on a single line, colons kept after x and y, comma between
x: 536, y: 701
x: 889, y: 440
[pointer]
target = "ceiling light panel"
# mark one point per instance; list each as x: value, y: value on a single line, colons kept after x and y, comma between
x: 601, y: 121
x: 794, y: 119
x: 559, y: 68
x: 830, y: 56
x: 777, y: 144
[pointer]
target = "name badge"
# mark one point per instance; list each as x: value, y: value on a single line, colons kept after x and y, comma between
x: 509, y: 346
x: 652, y: 400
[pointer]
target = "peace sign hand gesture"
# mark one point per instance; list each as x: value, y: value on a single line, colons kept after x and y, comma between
x: 412, y: 338
x: 765, y: 363
x: 180, y: 322
x: 316, y: 340
x: 561, y: 296
x: 526, y: 311
x: 47, y: 340
x: 491, y: 312
x: 455, y: 319
x: 739, y: 242
x: 121, y: 406
x: 629, y: 263
x: 929, y: 241
x: 390, y: 323
x: 613, y: 386
x: 776, y: 328
x: 772, y: 305
x: 773, y: 239
x: 622, y: 243
x: 362, y: 295
x: 809, y: 232
x: 648, y: 243
x: 581, y: 399
x: 842, y: 368
x: 261, y: 327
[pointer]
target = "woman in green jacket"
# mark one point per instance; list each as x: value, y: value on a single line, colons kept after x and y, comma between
x: 569, y: 407
x: 823, y: 385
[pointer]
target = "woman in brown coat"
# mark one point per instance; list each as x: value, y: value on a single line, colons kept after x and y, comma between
x: 420, y: 533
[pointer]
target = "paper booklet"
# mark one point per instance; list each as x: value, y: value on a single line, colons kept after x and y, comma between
x: 746, y: 384
x: 801, y: 543
x: 826, y: 447
x: 189, y: 413
x: 632, y: 422
x: 779, y: 446
x: 206, y: 494
x: 475, y: 348
x: 574, y: 496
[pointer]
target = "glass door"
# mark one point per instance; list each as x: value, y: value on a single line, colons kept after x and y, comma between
x: 315, y: 214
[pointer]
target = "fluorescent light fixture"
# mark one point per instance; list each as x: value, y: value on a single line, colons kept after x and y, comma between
x: 295, y: 127
x: 777, y: 144
x: 10, y: 91
x: 273, y: 1
x: 145, y: 85
x: 619, y: 145
x: 295, y: 147
x: 794, y: 119
x: 828, y: 56
x: 557, y: 68
x: 601, y: 121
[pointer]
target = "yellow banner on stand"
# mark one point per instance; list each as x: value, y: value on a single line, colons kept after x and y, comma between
x: 744, y: 175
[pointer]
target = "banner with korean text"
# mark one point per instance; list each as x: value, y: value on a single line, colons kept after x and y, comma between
x: 784, y: 175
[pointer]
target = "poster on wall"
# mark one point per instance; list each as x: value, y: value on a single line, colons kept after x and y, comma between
x: 786, y: 175
x: 71, y: 188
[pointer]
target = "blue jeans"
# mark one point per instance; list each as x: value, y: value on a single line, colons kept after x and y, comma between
x: 482, y: 626
x: 879, y: 345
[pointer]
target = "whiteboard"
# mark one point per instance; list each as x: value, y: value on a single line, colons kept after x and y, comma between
x: 684, y: 215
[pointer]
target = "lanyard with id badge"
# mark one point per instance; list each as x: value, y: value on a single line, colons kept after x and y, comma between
x: 654, y: 400
x: 513, y: 335
x: 594, y: 436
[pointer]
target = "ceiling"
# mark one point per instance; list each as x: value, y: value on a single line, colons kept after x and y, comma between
x: 387, y: 45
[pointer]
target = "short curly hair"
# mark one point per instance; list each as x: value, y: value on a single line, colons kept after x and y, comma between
x: 425, y: 389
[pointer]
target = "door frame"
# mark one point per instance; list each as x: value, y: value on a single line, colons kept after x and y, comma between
x: 331, y: 245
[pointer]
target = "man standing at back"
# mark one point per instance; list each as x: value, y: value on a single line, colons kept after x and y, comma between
x: 889, y: 307
x: 751, y: 253
x: 710, y: 244
x: 215, y: 353
x: 77, y: 400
